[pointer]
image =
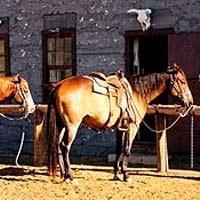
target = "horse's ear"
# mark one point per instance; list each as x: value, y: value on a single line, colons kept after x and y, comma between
x: 170, y: 69
x: 177, y: 67
x: 16, y: 78
x: 173, y: 69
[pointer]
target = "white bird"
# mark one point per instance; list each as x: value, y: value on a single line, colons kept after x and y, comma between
x: 143, y: 16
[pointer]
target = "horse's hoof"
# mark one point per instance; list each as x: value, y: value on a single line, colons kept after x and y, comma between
x: 74, y: 181
x: 68, y: 180
x: 128, y: 179
x: 117, y: 177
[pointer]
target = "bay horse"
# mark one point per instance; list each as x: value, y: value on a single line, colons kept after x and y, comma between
x: 73, y: 102
x: 15, y: 87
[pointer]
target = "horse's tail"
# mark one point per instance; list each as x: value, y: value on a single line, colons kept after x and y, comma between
x: 52, y: 134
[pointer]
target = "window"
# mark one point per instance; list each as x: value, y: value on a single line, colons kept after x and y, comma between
x: 59, y: 48
x: 4, y: 44
x: 60, y: 56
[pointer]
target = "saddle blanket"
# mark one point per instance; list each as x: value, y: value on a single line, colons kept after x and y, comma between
x: 102, y: 87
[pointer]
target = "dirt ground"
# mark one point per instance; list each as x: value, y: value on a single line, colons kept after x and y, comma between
x: 95, y: 183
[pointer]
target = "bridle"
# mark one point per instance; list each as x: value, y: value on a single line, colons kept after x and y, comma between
x: 22, y: 95
x: 20, y: 92
x: 172, y: 79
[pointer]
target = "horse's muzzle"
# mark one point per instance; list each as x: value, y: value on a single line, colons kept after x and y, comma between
x: 188, y: 103
x: 31, y: 109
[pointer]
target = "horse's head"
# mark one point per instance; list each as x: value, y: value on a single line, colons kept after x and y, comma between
x: 23, y: 94
x: 178, y: 85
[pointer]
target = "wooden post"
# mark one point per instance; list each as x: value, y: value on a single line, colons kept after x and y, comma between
x: 40, y: 146
x: 161, y: 144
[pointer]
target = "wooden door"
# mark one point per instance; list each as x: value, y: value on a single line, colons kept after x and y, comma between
x: 184, y: 49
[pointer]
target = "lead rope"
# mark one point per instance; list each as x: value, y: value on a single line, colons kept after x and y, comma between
x: 161, y: 130
x: 20, y: 149
x: 192, y: 143
x: 181, y: 115
x: 192, y: 139
x: 22, y: 137
x: 25, y: 126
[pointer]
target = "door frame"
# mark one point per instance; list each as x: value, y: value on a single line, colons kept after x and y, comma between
x: 129, y: 37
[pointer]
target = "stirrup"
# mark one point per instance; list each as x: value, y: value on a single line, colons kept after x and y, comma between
x: 123, y: 126
x: 122, y: 129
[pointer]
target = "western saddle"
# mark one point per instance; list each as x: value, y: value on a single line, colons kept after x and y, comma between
x: 115, y: 86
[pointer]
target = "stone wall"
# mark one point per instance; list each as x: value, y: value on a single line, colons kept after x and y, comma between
x: 100, y: 44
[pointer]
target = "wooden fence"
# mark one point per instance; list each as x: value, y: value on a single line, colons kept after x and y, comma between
x: 161, y: 111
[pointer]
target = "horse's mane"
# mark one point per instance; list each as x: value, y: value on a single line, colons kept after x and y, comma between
x: 6, y: 88
x: 3, y: 84
x: 143, y: 84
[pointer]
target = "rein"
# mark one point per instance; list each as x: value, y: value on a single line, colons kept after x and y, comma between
x: 14, y: 118
x: 181, y: 115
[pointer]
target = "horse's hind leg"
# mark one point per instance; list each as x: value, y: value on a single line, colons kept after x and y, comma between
x: 118, y: 151
x: 61, y: 152
x: 68, y: 139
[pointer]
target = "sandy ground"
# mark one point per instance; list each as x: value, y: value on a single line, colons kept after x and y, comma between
x: 95, y: 183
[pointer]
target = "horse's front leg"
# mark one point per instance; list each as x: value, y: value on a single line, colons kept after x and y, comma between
x: 128, y: 141
x: 118, y: 151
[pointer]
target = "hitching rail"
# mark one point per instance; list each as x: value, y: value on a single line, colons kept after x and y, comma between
x: 152, y: 109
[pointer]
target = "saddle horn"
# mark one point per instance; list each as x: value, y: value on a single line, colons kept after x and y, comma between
x: 16, y: 78
x: 120, y: 73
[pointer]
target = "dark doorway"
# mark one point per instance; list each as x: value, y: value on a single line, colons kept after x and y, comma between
x: 147, y: 53
x: 153, y: 53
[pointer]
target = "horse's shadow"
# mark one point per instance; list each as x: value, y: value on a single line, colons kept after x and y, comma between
x: 151, y: 172
x: 12, y: 171
x: 15, y: 173
x: 19, y: 174
x: 154, y: 173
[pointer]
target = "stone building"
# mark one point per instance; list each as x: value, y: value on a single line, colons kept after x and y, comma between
x: 47, y: 40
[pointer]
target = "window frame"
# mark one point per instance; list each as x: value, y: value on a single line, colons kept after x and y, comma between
x: 5, y: 37
x: 64, y: 32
